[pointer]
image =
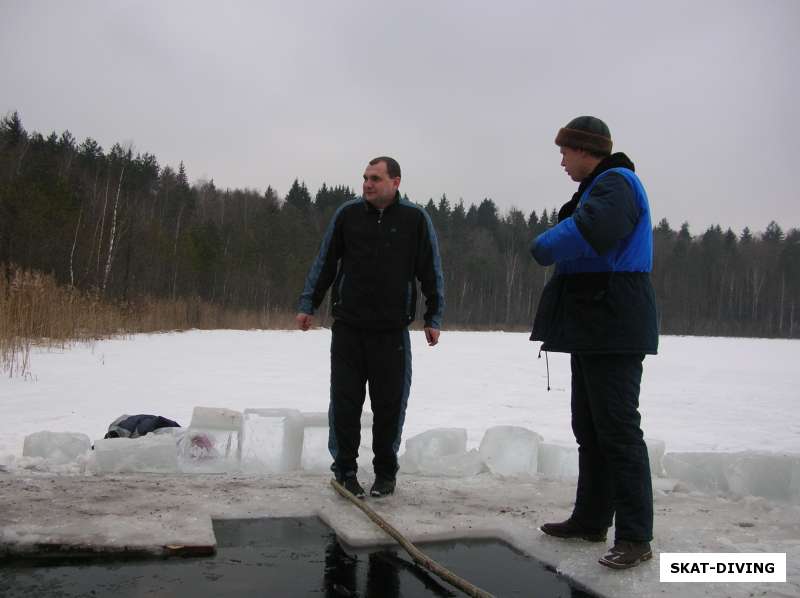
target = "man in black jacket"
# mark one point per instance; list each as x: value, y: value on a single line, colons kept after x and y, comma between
x: 599, y: 306
x: 373, y: 252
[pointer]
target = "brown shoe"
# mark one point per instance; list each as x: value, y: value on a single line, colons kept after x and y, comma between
x: 624, y: 554
x: 571, y: 529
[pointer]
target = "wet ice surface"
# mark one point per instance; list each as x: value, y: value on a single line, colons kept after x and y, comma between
x: 148, y: 512
x: 291, y: 557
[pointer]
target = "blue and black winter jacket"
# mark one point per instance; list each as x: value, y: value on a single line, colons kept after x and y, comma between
x: 600, y: 299
x: 373, y: 259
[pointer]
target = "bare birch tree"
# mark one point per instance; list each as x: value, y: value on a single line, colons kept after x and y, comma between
x: 112, y: 236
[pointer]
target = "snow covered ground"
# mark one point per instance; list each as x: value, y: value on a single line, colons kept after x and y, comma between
x: 699, y: 394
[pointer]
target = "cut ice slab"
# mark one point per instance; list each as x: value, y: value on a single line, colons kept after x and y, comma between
x: 558, y: 460
x: 773, y: 476
x: 272, y: 440
x: 205, y: 450
x: 655, y: 451
x: 459, y: 465
x: 59, y: 448
x: 216, y: 418
x: 423, y: 451
x: 213, y: 441
x: 561, y: 460
x: 152, y: 453
x: 316, y: 456
x: 511, y: 450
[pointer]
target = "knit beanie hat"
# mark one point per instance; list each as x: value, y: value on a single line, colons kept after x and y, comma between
x: 586, y: 133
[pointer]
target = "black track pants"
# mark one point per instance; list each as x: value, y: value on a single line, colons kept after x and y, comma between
x: 381, y: 359
x: 613, y: 465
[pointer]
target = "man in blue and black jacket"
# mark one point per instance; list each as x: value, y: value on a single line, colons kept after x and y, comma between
x: 374, y: 251
x: 599, y: 306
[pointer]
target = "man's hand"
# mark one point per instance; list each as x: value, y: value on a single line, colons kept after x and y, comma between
x: 304, y: 321
x: 432, y: 335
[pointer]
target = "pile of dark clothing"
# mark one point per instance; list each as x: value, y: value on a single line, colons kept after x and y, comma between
x: 133, y: 426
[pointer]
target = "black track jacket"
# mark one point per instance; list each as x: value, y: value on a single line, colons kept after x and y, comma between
x: 372, y: 258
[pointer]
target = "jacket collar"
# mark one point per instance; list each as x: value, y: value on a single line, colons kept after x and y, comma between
x: 369, y: 207
x: 616, y: 160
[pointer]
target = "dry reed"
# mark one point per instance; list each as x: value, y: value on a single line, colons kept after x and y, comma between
x: 36, y: 311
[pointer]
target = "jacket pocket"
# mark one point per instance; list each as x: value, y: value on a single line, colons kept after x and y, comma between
x: 590, y: 312
x: 547, y: 310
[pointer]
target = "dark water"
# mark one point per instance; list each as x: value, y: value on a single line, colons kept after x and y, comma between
x: 289, y: 557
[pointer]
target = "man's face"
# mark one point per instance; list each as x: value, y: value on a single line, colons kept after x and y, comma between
x: 379, y: 188
x: 577, y: 163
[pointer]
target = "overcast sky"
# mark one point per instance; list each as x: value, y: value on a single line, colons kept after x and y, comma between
x: 468, y: 96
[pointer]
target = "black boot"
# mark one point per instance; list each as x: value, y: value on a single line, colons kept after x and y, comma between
x: 625, y: 554
x: 350, y: 483
x: 571, y: 529
x: 382, y: 487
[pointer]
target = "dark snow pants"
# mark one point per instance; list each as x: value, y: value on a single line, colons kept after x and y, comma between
x: 381, y: 359
x: 613, y: 465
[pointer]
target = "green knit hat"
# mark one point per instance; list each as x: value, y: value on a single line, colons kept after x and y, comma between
x: 586, y: 133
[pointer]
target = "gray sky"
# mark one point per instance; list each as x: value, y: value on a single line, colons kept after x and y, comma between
x: 468, y: 96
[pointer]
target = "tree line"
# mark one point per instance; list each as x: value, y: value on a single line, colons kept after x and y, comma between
x: 119, y: 224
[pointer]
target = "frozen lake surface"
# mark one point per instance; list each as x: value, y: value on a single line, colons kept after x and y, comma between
x: 698, y: 394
